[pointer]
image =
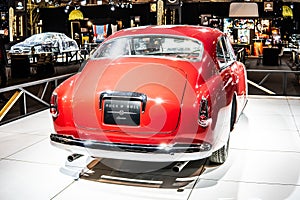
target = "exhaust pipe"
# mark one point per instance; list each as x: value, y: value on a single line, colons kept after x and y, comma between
x: 179, y: 166
x: 73, y: 157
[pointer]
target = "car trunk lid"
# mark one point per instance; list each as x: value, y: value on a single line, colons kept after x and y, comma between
x: 126, y: 96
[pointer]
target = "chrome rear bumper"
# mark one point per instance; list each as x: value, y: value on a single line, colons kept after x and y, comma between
x: 154, y: 153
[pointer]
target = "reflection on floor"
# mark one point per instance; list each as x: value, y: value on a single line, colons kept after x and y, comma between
x: 263, y: 163
x: 141, y: 174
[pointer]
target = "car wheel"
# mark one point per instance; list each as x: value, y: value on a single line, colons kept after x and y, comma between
x: 219, y: 156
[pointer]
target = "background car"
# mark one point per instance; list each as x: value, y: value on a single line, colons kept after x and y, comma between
x: 45, y: 42
x: 154, y: 93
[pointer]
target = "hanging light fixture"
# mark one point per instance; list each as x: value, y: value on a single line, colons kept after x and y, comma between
x: 243, y: 9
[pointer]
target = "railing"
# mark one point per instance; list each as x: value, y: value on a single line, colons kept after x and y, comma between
x: 284, y: 83
x: 17, y: 91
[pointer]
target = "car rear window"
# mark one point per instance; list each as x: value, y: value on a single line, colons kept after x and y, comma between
x: 151, y: 45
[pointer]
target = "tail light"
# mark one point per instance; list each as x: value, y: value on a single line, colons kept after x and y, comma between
x: 204, y: 118
x: 53, y: 105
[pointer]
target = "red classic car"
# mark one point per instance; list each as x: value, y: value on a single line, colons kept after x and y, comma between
x: 153, y: 93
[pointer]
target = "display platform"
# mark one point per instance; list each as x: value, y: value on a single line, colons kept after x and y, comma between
x: 263, y: 163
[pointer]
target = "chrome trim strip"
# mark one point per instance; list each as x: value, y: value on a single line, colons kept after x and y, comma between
x: 123, y: 95
x: 123, y: 155
x: 177, y: 148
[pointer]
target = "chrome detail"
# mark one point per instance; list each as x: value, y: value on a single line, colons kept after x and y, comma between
x: 120, y: 95
x: 137, y: 148
x: 88, y: 148
x: 179, y: 166
x: 73, y: 157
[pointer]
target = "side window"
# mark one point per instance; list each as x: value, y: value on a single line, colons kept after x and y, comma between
x: 225, y: 53
x: 220, y: 54
x: 230, y: 50
x: 224, y: 45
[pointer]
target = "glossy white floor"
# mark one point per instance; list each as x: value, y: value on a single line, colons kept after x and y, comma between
x: 263, y: 163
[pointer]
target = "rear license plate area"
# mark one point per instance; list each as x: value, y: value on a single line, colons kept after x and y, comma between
x: 122, y: 112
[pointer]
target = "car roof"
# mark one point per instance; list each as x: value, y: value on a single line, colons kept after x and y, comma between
x: 206, y: 35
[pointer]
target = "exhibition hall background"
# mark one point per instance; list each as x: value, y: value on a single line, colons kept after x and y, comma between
x: 56, y: 19
x: 35, y: 16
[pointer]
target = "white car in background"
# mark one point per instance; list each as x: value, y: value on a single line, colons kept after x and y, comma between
x: 45, y: 42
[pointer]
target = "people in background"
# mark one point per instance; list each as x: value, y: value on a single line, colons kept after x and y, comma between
x: 3, y: 62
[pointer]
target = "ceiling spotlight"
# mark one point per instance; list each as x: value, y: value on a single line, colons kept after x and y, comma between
x: 67, y: 9
x: 112, y: 8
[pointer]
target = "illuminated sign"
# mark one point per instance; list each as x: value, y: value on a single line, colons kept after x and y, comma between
x: 268, y: 6
x: 20, y: 5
